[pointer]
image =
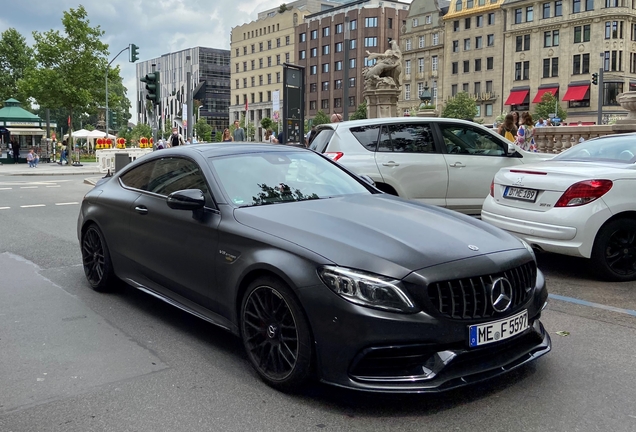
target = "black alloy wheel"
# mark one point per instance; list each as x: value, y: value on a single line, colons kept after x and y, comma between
x: 614, y: 252
x: 96, y: 259
x: 276, y: 335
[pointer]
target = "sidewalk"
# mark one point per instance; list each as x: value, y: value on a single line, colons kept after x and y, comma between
x: 49, y: 169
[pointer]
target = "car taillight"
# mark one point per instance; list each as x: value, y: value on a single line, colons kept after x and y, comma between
x: 334, y: 155
x: 492, y: 188
x: 584, y: 192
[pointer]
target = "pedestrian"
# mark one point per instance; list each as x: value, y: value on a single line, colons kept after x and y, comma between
x: 15, y: 148
x: 507, y: 129
x: 239, y: 132
x: 176, y: 139
x: 189, y: 141
x: 63, y: 153
x: 270, y: 137
x: 336, y: 118
x: 31, y: 159
x: 525, y: 133
x: 281, y: 138
x: 515, y: 118
x: 310, y: 136
x: 227, y: 137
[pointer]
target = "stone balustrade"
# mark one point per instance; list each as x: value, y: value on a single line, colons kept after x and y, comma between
x: 555, y: 139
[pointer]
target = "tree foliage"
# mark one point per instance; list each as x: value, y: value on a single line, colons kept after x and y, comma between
x: 203, y: 130
x: 140, y: 130
x: 321, y: 118
x: 360, y: 113
x: 546, y: 106
x: 16, y: 60
x: 71, y: 65
x: 462, y: 106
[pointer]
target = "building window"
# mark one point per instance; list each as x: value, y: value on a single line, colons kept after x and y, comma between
x: 260, y: 63
x: 313, y: 35
x: 434, y: 63
x: 339, y: 28
x: 407, y: 91
x: 313, y: 87
x: 352, y: 44
x: 491, y: 18
x: 458, y: 5
x: 269, y: 62
x: 632, y: 64
x: 277, y: 77
x: 455, y: 46
x: 325, y: 49
x: 490, y: 63
x: 614, y: 30
x: 435, y: 39
x: 546, y: 10
x: 454, y: 90
x: 277, y: 42
x: 612, y: 3
x: 407, y: 67
x: 237, y: 84
x: 325, y: 68
x: 324, y: 104
x: 253, y: 80
x: 337, y: 84
x: 353, y: 24
x: 488, y: 110
x: 352, y: 82
x: 421, y: 42
x: 522, y: 71
x: 589, y: 5
x: 477, y: 88
x: 551, y: 38
x: 488, y: 86
x: 478, y: 42
x: 477, y: 65
x: 518, y: 16
x: 303, y: 37
x: 407, y: 45
x: 269, y: 78
x: 312, y: 70
x: 244, y: 66
x: 302, y: 55
x: 455, y: 68
x: 522, y: 43
x: 490, y: 40
x: 287, y: 40
x: 338, y: 65
x: 325, y: 31
x: 465, y: 87
x: 576, y: 6
x: 415, y: 22
x: 352, y: 101
x: 339, y: 47
x: 610, y: 91
x: 582, y: 33
x: 467, y: 23
x: 371, y: 41
x: 313, y: 52
x: 244, y: 50
x: 613, y: 61
x: 466, y: 66
x: 244, y: 82
x: 269, y: 45
x: 237, y: 52
x: 312, y: 105
x: 352, y: 63
x: 428, y: 19
x: 337, y: 103
x: 466, y: 44
x: 277, y: 59
x: 325, y: 86
x: 551, y: 67
x: 371, y: 22
x: 455, y: 26
x: 529, y: 14
x: 420, y: 65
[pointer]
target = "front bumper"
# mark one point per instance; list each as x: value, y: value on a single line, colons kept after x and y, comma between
x: 373, y: 350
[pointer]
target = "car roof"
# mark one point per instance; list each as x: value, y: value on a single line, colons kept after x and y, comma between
x: 393, y: 120
x: 224, y: 149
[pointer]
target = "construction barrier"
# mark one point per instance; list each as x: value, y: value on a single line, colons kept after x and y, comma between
x: 106, y: 158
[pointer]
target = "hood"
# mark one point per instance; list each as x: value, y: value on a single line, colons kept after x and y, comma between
x: 378, y: 233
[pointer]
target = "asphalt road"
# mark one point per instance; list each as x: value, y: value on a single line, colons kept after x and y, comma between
x: 75, y: 360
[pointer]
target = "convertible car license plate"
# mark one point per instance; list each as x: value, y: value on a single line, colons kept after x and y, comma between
x: 483, y: 334
x: 520, y: 194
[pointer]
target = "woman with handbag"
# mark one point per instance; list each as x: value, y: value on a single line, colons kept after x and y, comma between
x: 508, y: 129
x: 525, y: 134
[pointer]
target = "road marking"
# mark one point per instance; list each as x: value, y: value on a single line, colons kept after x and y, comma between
x: 55, y: 186
x: 591, y: 304
x: 68, y: 203
x: 28, y: 187
x: 33, y: 205
x: 5, y: 188
x: 4, y: 208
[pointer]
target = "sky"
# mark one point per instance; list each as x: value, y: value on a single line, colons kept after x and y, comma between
x: 156, y: 26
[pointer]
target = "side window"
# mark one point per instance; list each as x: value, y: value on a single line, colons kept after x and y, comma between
x: 367, y: 136
x: 407, y: 138
x: 464, y: 139
x: 321, y: 140
x: 138, y: 178
x: 174, y: 174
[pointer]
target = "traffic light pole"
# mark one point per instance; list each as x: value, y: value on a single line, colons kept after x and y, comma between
x: 107, y: 69
x: 599, y: 119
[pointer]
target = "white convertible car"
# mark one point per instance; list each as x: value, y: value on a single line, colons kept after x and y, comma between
x: 581, y: 203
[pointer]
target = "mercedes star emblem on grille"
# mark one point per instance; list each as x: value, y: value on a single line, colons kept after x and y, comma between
x: 501, y: 294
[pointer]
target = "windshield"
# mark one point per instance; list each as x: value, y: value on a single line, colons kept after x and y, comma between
x: 619, y: 148
x: 276, y: 177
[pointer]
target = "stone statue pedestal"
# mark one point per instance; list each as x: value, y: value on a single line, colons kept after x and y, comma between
x: 424, y: 112
x: 382, y: 102
x: 627, y: 100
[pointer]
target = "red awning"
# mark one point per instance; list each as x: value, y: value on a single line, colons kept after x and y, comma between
x: 541, y: 92
x: 516, y: 97
x: 576, y: 93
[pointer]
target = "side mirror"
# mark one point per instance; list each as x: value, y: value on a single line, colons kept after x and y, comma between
x: 511, y: 149
x: 367, y: 179
x: 187, y: 199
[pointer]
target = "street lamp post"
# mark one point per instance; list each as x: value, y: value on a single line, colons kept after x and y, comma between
x: 345, y: 90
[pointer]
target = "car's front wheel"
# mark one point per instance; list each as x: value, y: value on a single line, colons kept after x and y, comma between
x: 614, y: 252
x: 98, y: 267
x: 276, y: 334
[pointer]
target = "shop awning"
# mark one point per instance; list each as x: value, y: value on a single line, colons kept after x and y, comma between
x: 576, y: 93
x: 516, y: 97
x: 542, y: 91
x: 26, y: 131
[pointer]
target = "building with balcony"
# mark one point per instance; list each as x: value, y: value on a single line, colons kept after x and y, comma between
x: 210, y: 72
x: 422, y: 45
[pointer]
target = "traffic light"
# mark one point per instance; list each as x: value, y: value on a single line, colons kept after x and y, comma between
x: 595, y: 78
x: 134, y: 53
x: 113, y: 121
x: 152, y: 86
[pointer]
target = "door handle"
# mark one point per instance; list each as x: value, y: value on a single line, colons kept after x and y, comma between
x: 141, y: 210
x: 457, y: 165
x: 390, y: 164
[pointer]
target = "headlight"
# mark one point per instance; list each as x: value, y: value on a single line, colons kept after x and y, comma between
x: 367, y: 289
x: 527, y: 246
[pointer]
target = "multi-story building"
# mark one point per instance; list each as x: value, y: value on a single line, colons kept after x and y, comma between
x: 210, y: 72
x: 258, y: 51
x: 555, y: 46
x: 474, y: 57
x: 321, y: 44
x: 422, y: 44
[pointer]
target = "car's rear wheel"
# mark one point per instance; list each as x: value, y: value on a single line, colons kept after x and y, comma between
x: 614, y: 252
x: 276, y: 334
x: 98, y: 267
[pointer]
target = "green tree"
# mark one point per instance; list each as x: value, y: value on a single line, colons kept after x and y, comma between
x: 218, y: 137
x: 267, y: 123
x: 546, y: 106
x: 283, y: 7
x: 321, y: 118
x: 16, y: 60
x: 71, y: 65
x: 462, y: 106
x: 360, y: 113
x: 140, y: 130
x: 203, y: 130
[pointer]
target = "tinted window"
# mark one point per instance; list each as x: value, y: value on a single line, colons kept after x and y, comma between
x: 367, y: 136
x: 465, y: 139
x: 406, y: 138
x: 173, y: 174
x: 320, y: 141
x: 138, y: 177
x: 621, y: 148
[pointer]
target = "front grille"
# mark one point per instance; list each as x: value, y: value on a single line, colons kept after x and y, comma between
x: 469, y: 298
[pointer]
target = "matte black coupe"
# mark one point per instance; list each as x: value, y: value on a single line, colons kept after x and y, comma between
x: 320, y: 274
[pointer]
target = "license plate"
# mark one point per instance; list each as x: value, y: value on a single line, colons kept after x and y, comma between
x: 483, y: 334
x: 520, y: 194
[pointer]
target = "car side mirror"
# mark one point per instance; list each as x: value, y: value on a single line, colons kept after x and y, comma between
x: 187, y: 199
x: 367, y: 179
x: 511, y: 149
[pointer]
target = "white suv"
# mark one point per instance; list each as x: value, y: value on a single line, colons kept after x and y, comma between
x: 440, y: 161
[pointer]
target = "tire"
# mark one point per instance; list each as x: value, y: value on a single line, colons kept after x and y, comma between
x: 614, y: 251
x: 276, y: 335
x: 98, y: 267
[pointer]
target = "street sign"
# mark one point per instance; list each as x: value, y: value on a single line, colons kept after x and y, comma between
x: 275, y: 100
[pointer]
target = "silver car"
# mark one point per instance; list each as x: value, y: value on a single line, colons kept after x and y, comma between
x: 439, y: 161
